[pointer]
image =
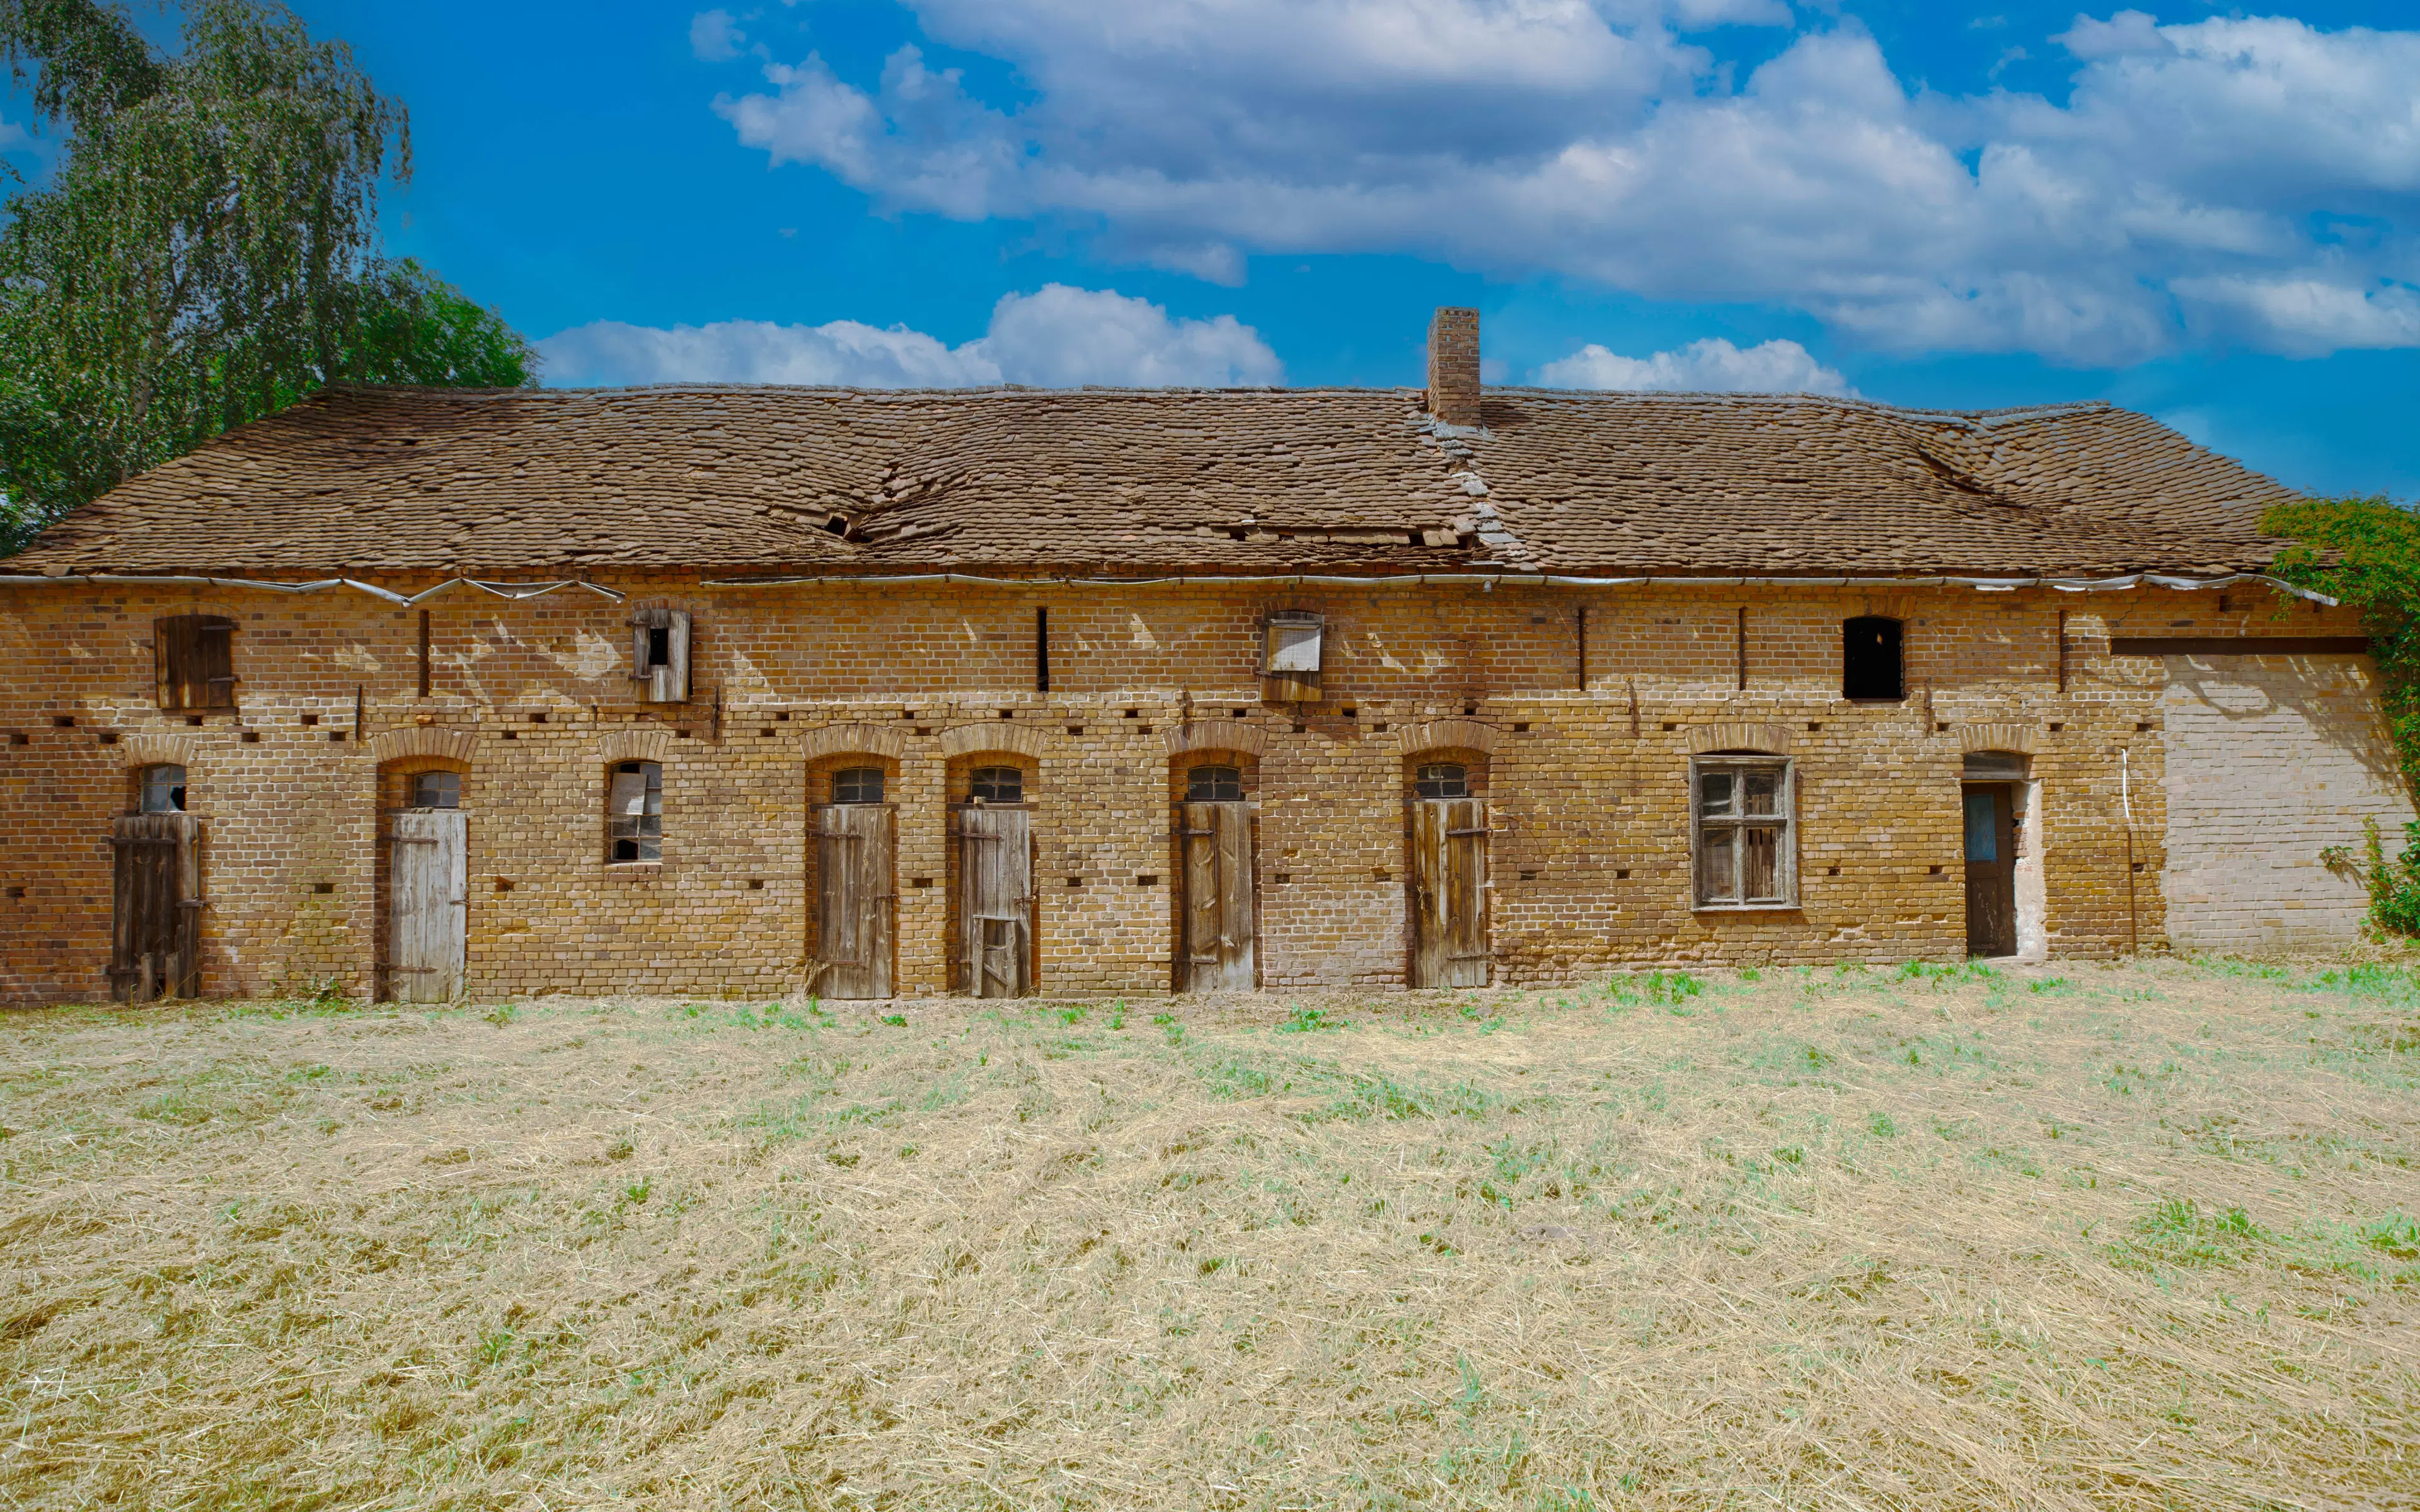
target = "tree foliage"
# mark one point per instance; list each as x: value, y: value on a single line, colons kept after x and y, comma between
x: 2366, y: 552
x: 206, y: 250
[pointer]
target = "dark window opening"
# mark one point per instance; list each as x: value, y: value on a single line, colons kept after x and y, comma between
x: 660, y: 646
x: 997, y: 784
x: 857, y: 784
x: 1871, y: 665
x: 1443, y: 779
x: 436, y: 790
x: 164, y: 790
x: 634, y: 808
x: 1214, y: 784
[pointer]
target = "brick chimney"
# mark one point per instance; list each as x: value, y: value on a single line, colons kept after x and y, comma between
x: 1453, y: 367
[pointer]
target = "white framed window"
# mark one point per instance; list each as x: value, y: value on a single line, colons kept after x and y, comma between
x: 635, y: 812
x: 164, y: 790
x: 1743, y: 841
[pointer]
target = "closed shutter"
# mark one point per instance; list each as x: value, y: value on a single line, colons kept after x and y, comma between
x: 192, y: 661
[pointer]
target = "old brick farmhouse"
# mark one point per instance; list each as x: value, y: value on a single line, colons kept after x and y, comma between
x: 732, y: 689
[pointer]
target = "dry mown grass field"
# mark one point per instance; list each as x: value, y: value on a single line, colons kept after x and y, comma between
x: 2137, y: 1236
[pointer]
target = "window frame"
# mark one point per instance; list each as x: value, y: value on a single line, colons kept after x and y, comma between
x: 990, y: 773
x: 1733, y: 826
x: 1231, y: 776
x: 661, y: 680
x: 634, y: 828
x: 1422, y: 780
x: 881, y: 787
x: 411, y: 789
x: 176, y: 791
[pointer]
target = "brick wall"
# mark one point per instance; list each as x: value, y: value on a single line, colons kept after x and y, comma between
x: 2272, y: 760
x: 1589, y: 786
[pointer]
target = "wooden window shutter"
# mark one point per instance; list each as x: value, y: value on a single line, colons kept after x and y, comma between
x: 659, y: 655
x: 193, y: 659
x: 1291, y: 648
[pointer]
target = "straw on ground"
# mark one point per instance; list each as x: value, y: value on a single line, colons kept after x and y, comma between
x: 2103, y: 1237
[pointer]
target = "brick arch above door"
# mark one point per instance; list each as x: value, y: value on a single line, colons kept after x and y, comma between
x: 2011, y: 737
x: 446, y: 745
x: 1446, y: 735
x: 1771, y: 739
x: 967, y: 739
x: 853, y: 739
x: 159, y: 750
x: 1217, y: 734
x: 636, y: 746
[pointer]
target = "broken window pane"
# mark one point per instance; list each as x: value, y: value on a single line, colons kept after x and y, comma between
x: 1717, y: 867
x: 996, y: 784
x: 1760, y: 864
x: 1761, y: 788
x: 436, y: 790
x: 1443, y: 779
x: 857, y: 784
x: 1214, y: 784
x: 164, y: 790
x: 634, y: 809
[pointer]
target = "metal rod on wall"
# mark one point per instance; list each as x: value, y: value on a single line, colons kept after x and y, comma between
x: 1583, y: 648
x: 1742, y: 648
x: 1042, y: 650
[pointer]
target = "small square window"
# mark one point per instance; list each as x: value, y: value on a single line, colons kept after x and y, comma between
x: 164, y: 790
x: 1214, y: 784
x: 1442, y: 780
x: 436, y: 790
x: 857, y: 784
x: 634, y: 823
x: 996, y: 784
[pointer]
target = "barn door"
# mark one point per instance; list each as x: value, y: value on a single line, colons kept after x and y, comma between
x: 1217, y: 896
x: 996, y: 899
x: 428, y: 904
x: 156, y: 929
x: 1990, y: 869
x: 854, y: 899
x: 1449, y: 899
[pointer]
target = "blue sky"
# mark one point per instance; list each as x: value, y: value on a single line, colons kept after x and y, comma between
x: 2210, y: 214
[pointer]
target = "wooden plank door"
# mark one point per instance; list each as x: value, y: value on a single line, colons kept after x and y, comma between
x: 1990, y: 869
x: 996, y: 899
x: 156, y: 925
x: 1449, y: 901
x: 855, y: 899
x: 428, y: 904
x: 1217, y: 896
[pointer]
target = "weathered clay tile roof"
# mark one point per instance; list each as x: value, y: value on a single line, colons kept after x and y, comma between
x: 1138, y: 481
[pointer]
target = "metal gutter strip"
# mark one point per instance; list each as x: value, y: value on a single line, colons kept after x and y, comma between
x: 1488, y: 581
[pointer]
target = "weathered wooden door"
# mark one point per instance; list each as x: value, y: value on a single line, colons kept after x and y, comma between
x: 156, y: 929
x: 428, y: 904
x: 1217, y: 902
x: 996, y: 899
x: 1990, y: 869
x: 855, y: 899
x: 1449, y: 885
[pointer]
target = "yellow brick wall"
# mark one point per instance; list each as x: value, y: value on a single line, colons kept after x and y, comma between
x: 1588, y: 786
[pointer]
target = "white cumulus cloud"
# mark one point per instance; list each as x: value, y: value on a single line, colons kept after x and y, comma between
x: 1056, y: 337
x: 1709, y: 366
x: 714, y: 37
x: 1596, y: 139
